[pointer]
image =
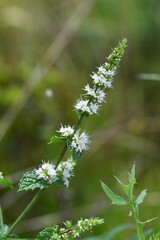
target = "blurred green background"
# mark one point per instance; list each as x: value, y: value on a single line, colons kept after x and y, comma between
x: 48, y: 49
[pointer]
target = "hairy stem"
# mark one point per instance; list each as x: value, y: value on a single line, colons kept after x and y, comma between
x: 21, y: 216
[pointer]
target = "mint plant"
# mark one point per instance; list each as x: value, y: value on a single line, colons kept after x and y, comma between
x: 76, y: 141
x: 131, y: 201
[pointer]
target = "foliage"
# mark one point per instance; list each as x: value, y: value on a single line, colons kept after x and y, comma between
x: 132, y: 202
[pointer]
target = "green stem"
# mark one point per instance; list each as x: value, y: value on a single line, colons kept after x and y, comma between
x: 135, y: 214
x: 21, y: 216
x: 1, y: 220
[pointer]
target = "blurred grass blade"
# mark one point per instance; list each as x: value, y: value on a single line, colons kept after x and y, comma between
x: 117, y: 230
x: 149, y: 76
x: 146, y: 233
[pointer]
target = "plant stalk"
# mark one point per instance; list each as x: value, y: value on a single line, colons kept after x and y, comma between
x: 21, y: 216
x: 139, y: 225
x: 1, y: 220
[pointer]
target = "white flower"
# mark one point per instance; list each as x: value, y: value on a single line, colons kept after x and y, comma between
x: 110, y: 73
x: 65, y: 170
x: 1, y: 175
x: 102, y: 70
x: 94, y: 108
x: 100, y: 95
x: 108, y: 84
x: 80, y: 142
x: 90, y: 91
x: 66, y: 131
x: 99, y: 79
x: 95, y: 77
x: 82, y: 105
x: 46, y: 171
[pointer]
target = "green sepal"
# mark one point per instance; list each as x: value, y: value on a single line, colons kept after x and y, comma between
x: 30, y: 181
x: 59, y: 182
x: 117, y: 200
x: 76, y: 155
x: 80, y: 114
x: 5, y: 182
x: 141, y: 197
x: 55, y: 138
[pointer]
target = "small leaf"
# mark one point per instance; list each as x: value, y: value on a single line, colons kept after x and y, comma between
x: 30, y: 181
x: 141, y: 197
x: 117, y: 200
x: 132, y: 180
x: 124, y: 187
x: 150, y: 220
x: 5, y: 182
x: 55, y: 138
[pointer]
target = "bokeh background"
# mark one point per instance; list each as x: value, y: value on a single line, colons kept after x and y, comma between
x: 48, y: 49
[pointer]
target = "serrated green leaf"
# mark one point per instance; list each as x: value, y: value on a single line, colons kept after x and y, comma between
x: 132, y: 180
x: 30, y: 181
x: 123, y: 186
x: 117, y: 200
x: 55, y: 138
x: 141, y: 197
x: 5, y: 182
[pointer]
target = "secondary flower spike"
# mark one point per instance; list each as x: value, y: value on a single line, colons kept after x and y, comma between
x: 101, y: 80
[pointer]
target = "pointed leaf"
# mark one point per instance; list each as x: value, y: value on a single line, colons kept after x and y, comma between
x: 117, y: 200
x: 124, y: 187
x: 141, y: 197
x: 132, y: 180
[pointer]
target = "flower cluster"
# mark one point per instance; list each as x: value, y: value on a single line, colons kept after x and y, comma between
x: 69, y: 231
x: 80, y: 142
x: 65, y: 171
x: 50, y: 174
x: 77, y: 141
x: 102, y: 79
x: 46, y: 172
